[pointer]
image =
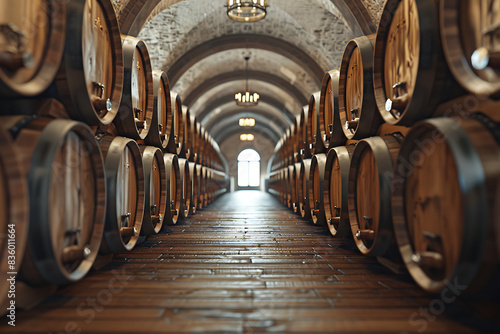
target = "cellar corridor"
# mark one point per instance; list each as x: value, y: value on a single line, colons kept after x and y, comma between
x: 245, y: 264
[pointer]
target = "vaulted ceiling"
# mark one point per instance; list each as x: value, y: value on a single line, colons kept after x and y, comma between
x: 203, y: 52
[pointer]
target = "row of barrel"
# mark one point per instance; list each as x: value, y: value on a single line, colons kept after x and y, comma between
x: 97, y: 153
x: 399, y: 153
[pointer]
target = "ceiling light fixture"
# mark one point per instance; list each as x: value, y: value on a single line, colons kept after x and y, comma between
x: 246, y: 10
x: 246, y: 99
x: 247, y: 137
x: 247, y: 122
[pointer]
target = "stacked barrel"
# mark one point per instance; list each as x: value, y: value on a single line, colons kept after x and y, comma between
x: 97, y: 152
x: 399, y: 154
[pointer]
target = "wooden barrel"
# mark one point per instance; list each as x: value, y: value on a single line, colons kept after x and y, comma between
x: 136, y: 106
x: 305, y: 169
x: 284, y: 186
x: 410, y: 73
x: 205, y: 176
x: 369, y: 194
x: 202, y: 146
x: 160, y: 132
x: 90, y: 79
x: 195, y: 144
x: 201, y: 186
x: 470, y: 44
x: 67, y: 197
x: 178, y: 125
x: 188, y: 140
x: 304, y: 144
x: 444, y: 188
x: 186, y: 188
x: 313, y: 134
x: 317, y: 188
x: 357, y: 108
x: 337, y: 166
x: 125, y: 193
x: 14, y: 213
x: 195, y: 186
x: 30, y: 54
x: 295, y: 187
x: 329, y: 117
x: 289, y: 186
x: 155, y: 190
x: 174, y: 188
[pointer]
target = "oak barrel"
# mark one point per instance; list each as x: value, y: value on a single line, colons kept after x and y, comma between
x: 30, y: 54
x: 295, y: 187
x: 188, y: 140
x: 14, y: 212
x: 410, y: 73
x: 337, y: 166
x: 305, y: 169
x: 313, y: 133
x: 329, y: 116
x: 90, y: 80
x: 155, y: 189
x: 444, y: 198
x: 304, y: 150
x: 136, y: 106
x: 67, y: 196
x: 174, y: 188
x: 195, y: 186
x: 125, y: 193
x: 186, y: 188
x: 369, y: 194
x: 160, y: 133
x: 178, y: 126
x: 357, y: 108
x: 470, y: 40
x: 317, y: 189
x: 201, y: 186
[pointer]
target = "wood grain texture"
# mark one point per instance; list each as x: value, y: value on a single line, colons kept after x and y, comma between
x: 245, y: 264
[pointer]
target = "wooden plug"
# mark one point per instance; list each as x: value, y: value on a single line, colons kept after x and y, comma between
x: 433, y: 260
x: 74, y: 254
x: 128, y: 232
x: 14, y: 61
x: 365, y: 235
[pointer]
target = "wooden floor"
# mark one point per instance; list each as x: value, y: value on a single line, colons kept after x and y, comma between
x: 246, y: 264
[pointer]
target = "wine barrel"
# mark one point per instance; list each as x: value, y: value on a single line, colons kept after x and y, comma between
x: 201, y: 186
x: 295, y: 187
x: 313, y: 134
x: 195, y: 144
x: 155, y: 190
x: 67, y: 197
x: 174, y: 188
x: 410, y: 73
x: 177, y: 123
x: 125, y: 193
x: 90, y: 79
x: 329, y: 117
x: 136, y: 106
x: 297, y: 138
x: 317, y: 188
x: 30, y: 54
x: 305, y: 169
x: 205, y: 176
x: 337, y: 166
x: 357, y: 108
x: 195, y: 186
x: 186, y: 187
x: 470, y: 44
x: 444, y: 188
x: 14, y: 211
x: 160, y: 132
x: 304, y: 144
x: 284, y: 186
x: 290, y: 189
x: 369, y: 194
x: 188, y: 140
